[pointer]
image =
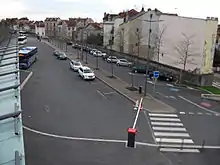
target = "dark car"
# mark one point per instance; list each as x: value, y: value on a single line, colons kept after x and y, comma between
x: 69, y: 43
x: 62, y: 56
x: 139, y: 69
x: 163, y: 76
x: 75, y: 46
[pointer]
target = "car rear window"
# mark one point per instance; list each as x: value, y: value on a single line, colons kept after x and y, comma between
x: 87, y: 71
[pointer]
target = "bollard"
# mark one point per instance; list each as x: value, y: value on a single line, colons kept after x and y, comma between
x: 131, y: 137
x: 140, y: 90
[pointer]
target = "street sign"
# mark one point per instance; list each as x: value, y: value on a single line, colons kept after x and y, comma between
x: 156, y: 74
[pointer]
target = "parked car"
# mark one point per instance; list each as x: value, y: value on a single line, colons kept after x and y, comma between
x: 112, y: 59
x: 97, y: 54
x: 139, y: 69
x: 56, y: 53
x: 123, y: 62
x: 86, y: 73
x: 163, y: 77
x: 93, y: 51
x: 75, y: 65
x: 75, y: 46
x: 62, y: 56
x: 69, y: 43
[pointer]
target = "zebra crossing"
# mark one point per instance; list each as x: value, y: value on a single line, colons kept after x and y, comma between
x: 216, y: 84
x: 170, y: 133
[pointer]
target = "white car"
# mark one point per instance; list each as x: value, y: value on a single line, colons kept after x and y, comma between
x: 93, y: 51
x: 75, y: 65
x: 112, y: 59
x: 86, y: 73
x: 123, y: 62
x: 97, y: 54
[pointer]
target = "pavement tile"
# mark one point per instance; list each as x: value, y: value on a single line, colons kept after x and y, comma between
x: 149, y: 103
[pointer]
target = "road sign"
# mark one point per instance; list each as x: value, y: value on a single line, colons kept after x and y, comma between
x: 156, y: 74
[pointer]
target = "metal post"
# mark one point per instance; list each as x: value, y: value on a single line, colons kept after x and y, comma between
x: 155, y: 81
x: 97, y: 62
x: 86, y: 47
x: 132, y: 80
x: 148, y: 55
x: 66, y: 46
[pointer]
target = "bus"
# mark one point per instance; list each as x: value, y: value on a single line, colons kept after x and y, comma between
x: 22, y: 40
x: 27, y: 56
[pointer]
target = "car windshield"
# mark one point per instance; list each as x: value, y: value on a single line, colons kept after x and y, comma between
x: 123, y: 60
x: 87, y: 71
x: 113, y: 57
x: 62, y: 54
x: 77, y: 63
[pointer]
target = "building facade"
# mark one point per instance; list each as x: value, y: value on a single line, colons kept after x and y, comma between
x: 51, y: 26
x: 40, y: 28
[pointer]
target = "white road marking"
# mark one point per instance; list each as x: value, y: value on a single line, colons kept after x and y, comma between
x: 190, y: 88
x: 169, y: 129
x: 174, y: 140
x: 208, y: 114
x: 164, y: 119
x: 171, y: 134
x: 179, y: 150
x: 191, y: 113
x: 162, y: 115
x: 108, y: 93
x: 101, y: 94
x: 166, y: 124
x: 182, y: 113
x: 173, y: 97
x: 150, y: 82
x: 197, y: 105
x: 170, y: 85
x: 199, y: 113
x: 26, y: 80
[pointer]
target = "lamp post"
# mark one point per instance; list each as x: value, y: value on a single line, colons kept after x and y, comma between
x: 148, y: 50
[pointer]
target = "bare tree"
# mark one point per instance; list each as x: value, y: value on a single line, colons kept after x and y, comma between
x: 185, y: 50
x: 159, y: 42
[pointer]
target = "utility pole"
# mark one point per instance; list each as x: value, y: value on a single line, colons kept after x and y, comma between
x: 86, y: 46
x: 148, y: 50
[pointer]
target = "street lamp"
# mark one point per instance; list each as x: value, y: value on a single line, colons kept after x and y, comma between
x: 148, y: 51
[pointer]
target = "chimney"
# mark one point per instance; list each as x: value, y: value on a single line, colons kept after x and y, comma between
x: 155, y: 10
x: 149, y: 9
x: 142, y: 9
x: 105, y: 14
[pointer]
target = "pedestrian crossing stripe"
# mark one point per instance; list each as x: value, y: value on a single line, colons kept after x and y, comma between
x: 170, y: 133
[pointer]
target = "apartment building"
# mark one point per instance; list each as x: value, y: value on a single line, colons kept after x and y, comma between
x: 51, y: 26
x: 40, y: 28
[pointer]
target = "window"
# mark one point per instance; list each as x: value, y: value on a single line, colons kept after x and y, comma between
x: 69, y: 28
x: 87, y: 71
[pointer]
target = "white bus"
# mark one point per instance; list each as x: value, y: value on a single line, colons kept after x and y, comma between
x: 22, y: 33
x: 22, y: 40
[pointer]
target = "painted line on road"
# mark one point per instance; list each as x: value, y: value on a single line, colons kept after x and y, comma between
x: 85, y: 139
x: 171, y: 134
x: 197, y: 105
x: 108, y: 93
x: 166, y: 124
x: 182, y: 113
x: 99, y: 92
x: 26, y: 80
x: 191, y: 113
x: 164, y: 119
x: 162, y: 115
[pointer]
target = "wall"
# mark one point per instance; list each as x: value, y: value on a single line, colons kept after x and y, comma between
x: 40, y: 30
x: 107, y: 28
x: 173, y: 38
x: 209, y: 46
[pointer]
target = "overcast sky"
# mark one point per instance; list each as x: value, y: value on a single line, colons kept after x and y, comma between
x: 40, y: 9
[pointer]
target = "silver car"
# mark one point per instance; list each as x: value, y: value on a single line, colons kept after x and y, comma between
x: 123, y: 62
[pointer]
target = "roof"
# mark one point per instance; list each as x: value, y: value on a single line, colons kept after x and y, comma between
x: 39, y: 24
x: 24, y: 18
x: 95, y: 25
x: 52, y: 19
x: 70, y: 23
x: 129, y: 13
x: 11, y: 132
x: 26, y: 50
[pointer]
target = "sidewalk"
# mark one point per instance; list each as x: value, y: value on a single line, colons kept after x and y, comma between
x: 149, y: 103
